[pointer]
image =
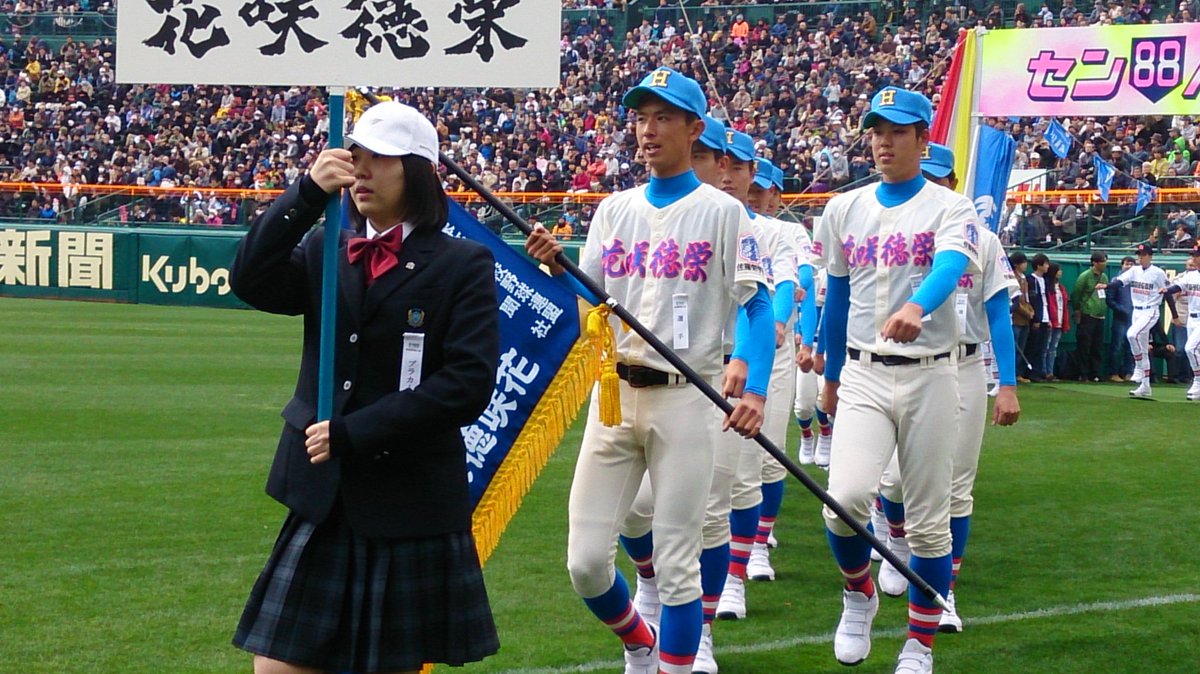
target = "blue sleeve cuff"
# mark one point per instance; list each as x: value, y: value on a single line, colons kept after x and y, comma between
x: 1003, y: 344
x: 754, y: 341
x: 833, y: 326
x: 784, y: 302
x: 948, y: 268
x: 576, y: 287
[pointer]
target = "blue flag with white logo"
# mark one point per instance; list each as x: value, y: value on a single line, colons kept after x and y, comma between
x: 993, y: 163
x: 1145, y: 194
x: 1059, y: 139
x: 1105, y: 172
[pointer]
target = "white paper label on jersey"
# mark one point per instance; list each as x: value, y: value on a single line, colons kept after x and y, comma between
x: 410, y: 360
x: 915, y: 282
x: 960, y: 309
x: 679, y: 320
x: 1100, y: 293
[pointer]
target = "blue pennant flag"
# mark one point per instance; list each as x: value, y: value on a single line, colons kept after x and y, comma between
x: 1059, y: 139
x: 539, y: 326
x: 1145, y: 194
x: 993, y: 163
x: 1104, y: 176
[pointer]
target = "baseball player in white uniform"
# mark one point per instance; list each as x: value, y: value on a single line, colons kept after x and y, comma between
x: 981, y: 305
x: 709, y: 161
x: 895, y: 253
x: 1188, y: 283
x: 1146, y: 283
x: 794, y: 243
x: 678, y: 255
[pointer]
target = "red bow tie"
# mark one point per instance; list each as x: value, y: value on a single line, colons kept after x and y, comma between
x: 380, y: 252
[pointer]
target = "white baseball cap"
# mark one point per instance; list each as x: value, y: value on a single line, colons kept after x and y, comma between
x: 393, y: 129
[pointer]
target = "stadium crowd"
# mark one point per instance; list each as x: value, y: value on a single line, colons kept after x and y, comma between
x: 798, y: 84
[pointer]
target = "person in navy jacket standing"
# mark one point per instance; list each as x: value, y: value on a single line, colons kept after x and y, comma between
x: 375, y: 569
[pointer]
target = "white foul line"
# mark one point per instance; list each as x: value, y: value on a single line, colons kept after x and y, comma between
x: 815, y: 639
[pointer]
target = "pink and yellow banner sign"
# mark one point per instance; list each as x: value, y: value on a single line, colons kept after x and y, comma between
x: 1092, y: 71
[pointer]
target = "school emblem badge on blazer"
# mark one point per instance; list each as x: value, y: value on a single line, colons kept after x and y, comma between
x: 416, y: 317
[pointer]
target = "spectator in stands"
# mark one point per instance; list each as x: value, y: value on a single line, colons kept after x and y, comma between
x: 562, y: 229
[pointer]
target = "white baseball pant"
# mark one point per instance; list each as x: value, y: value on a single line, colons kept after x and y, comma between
x: 972, y: 420
x: 1139, y: 340
x: 665, y: 431
x: 778, y: 413
x: 1192, y: 347
x: 907, y: 410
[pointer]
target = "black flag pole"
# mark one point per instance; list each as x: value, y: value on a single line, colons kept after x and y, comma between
x: 694, y: 379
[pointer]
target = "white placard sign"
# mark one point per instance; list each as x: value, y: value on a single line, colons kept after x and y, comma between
x: 391, y: 43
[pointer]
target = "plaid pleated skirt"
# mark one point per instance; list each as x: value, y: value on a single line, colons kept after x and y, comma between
x: 332, y: 599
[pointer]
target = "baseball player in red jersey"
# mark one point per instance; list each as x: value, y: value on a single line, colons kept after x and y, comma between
x: 679, y: 255
x: 981, y: 304
x: 894, y: 253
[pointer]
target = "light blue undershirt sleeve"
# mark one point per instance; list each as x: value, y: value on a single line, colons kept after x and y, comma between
x: 808, y: 307
x: 1003, y: 344
x: 833, y: 326
x: 948, y: 268
x: 754, y: 340
x: 784, y: 301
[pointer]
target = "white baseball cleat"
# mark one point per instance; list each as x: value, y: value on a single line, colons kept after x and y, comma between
x: 642, y: 659
x: 646, y: 602
x: 852, y: 640
x: 732, y: 605
x: 916, y: 658
x: 880, y: 524
x: 891, y: 581
x: 1193, y: 392
x: 772, y: 542
x: 824, y: 442
x: 807, y: 450
x: 1142, y: 391
x: 705, y: 663
x: 950, y: 622
x: 759, y: 567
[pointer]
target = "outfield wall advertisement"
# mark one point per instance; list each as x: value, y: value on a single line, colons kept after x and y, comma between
x: 1092, y: 71
x: 118, y: 265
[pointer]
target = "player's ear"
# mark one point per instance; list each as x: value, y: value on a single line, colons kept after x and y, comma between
x: 695, y: 127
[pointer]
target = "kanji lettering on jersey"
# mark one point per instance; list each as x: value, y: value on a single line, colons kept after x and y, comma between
x: 612, y: 256
x: 895, y: 250
x: 695, y: 258
x: 922, y: 249
x: 665, y: 262
x: 635, y: 261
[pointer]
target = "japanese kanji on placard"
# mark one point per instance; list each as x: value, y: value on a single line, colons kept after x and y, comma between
x: 511, y: 43
x: 1092, y: 71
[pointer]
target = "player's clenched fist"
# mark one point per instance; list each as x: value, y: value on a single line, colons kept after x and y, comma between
x: 804, y: 358
x: 905, y: 325
x: 543, y: 247
x: 747, y: 416
x: 333, y: 170
x: 1007, y: 410
x: 733, y: 382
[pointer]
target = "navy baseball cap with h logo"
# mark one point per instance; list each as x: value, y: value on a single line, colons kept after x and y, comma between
x: 673, y: 87
x: 898, y: 106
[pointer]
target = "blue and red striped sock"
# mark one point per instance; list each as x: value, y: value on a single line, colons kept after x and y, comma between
x: 641, y: 552
x: 805, y: 426
x: 714, y: 567
x: 772, y: 501
x: 923, y: 613
x: 679, y: 638
x: 853, y: 556
x: 743, y: 524
x: 894, y: 512
x: 823, y: 422
x: 960, y: 529
x: 616, y: 610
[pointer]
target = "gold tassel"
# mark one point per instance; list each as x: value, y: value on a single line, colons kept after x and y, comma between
x: 604, y: 342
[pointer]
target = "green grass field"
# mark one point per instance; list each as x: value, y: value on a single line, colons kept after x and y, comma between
x: 135, y: 441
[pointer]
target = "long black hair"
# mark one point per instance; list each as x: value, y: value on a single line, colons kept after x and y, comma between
x: 424, y: 201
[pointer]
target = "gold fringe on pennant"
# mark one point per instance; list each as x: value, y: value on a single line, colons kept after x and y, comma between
x: 538, y: 440
x: 604, y: 342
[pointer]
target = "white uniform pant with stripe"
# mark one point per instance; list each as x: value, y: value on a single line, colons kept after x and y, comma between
x: 716, y: 512
x: 907, y: 410
x: 808, y: 385
x: 1192, y: 348
x: 972, y: 419
x: 1139, y: 340
x: 665, y: 431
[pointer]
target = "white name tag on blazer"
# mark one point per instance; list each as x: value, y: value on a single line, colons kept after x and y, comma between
x: 410, y: 360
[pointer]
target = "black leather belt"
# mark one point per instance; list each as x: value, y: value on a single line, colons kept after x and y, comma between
x: 1193, y: 315
x: 728, y: 357
x: 969, y: 350
x: 894, y: 360
x: 640, y: 376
